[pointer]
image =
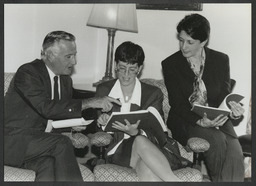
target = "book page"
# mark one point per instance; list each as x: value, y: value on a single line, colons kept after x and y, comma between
x: 130, y: 116
x: 230, y: 97
x: 211, y: 112
x: 158, y: 117
x: 71, y: 122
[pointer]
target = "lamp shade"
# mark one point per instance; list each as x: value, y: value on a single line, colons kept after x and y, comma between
x: 114, y: 16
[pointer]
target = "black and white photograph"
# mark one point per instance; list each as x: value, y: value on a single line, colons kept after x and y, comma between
x: 127, y: 92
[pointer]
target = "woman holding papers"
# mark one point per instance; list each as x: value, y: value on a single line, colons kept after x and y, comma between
x: 133, y: 146
x: 199, y: 75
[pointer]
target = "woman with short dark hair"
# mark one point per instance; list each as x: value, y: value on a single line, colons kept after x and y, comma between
x: 134, y: 145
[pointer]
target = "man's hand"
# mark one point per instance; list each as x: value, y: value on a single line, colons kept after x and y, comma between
x: 106, y: 103
x: 79, y: 128
x: 131, y: 129
x: 217, y: 122
x: 102, y: 120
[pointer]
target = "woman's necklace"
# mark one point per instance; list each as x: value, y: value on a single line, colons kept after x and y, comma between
x: 126, y: 99
x: 127, y: 93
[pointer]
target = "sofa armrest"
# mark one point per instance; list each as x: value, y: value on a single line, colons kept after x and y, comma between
x: 198, y: 145
x: 14, y: 174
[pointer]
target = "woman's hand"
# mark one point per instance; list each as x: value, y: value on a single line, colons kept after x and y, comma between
x: 131, y: 129
x: 217, y: 122
x: 236, y: 110
x: 102, y: 120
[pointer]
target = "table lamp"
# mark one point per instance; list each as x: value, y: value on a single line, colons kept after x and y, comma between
x: 113, y: 17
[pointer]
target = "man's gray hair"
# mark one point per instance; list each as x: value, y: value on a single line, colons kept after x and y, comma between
x: 55, y: 36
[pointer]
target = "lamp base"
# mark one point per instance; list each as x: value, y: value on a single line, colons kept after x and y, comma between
x: 104, y: 79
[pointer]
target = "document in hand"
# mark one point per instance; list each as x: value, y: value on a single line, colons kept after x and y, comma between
x: 150, y: 120
x: 71, y: 122
x: 223, y: 109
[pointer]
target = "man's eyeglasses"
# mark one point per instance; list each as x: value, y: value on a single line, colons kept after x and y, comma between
x: 131, y: 71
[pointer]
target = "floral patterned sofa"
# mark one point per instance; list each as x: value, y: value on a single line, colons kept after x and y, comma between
x: 111, y: 172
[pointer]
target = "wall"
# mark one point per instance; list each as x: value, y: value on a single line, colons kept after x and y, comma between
x: 25, y: 26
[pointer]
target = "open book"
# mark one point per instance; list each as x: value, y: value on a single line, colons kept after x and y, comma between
x: 71, y: 122
x: 150, y: 120
x: 223, y: 109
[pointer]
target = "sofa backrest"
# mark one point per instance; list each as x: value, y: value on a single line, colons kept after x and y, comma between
x: 7, y: 80
x: 160, y: 84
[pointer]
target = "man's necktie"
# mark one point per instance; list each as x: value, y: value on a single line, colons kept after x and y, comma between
x: 56, y: 92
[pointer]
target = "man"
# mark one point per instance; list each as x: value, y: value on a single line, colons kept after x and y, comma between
x: 31, y: 101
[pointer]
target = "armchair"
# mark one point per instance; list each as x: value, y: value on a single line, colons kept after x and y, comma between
x: 111, y: 172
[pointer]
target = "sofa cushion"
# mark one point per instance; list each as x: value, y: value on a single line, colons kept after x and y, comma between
x: 17, y: 174
x: 13, y: 174
x: 189, y: 174
x: 116, y: 173
x: 111, y: 173
x: 86, y: 173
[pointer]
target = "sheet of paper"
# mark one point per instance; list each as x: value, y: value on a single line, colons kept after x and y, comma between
x: 71, y: 123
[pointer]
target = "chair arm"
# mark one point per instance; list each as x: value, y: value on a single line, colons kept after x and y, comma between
x: 198, y: 145
x: 100, y: 139
x: 78, y: 140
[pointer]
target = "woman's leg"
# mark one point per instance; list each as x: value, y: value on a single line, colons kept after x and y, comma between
x: 233, y: 168
x: 217, y: 153
x: 149, y: 162
x: 144, y: 172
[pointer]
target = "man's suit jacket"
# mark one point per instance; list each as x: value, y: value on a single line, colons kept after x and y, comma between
x: 28, y: 106
x: 150, y: 96
x: 179, y: 80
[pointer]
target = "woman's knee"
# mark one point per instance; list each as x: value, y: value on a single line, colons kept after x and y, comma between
x: 141, y: 141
